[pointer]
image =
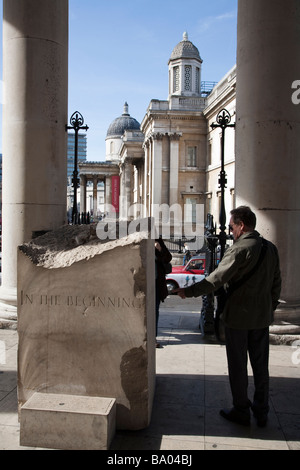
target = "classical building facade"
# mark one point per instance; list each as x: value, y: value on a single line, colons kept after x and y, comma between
x: 222, y: 96
x: 173, y: 157
x: 262, y: 162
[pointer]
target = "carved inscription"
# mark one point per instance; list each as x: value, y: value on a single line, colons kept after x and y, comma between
x: 60, y: 300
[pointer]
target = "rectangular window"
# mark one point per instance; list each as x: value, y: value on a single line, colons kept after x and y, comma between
x: 192, y: 156
x: 190, y: 210
x: 209, y: 152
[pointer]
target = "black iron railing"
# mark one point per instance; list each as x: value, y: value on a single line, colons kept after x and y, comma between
x: 83, y: 218
x: 176, y: 245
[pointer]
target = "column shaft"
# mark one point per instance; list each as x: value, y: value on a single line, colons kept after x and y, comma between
x: 35, y: 68
x: 156, y: 169
x: 174, y: 168
x: 95, y: 196
x: 82, y: 193
x: 268, y: 128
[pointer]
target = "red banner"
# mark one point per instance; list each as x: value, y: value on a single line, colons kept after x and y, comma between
x: 115, y: 192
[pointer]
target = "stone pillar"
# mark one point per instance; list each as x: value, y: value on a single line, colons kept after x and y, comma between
x: 35, y: 67
x: 146, y: 180
x: 128, y: 187
x: 268, y: 132
x: 174, y: 168
x: 123, y: 209
x: 82, y: 193
x: 95, y: 194
x: 156, y: 168
x: 107, y: 193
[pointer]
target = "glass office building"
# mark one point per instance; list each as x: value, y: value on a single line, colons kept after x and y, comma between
x: 82, y: 152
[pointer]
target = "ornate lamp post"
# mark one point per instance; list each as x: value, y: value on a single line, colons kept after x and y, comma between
x: 223, y: 121
x: 207, y: 319
x: 76, y: 122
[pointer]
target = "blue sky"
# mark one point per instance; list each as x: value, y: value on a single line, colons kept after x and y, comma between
x: 119, y: 51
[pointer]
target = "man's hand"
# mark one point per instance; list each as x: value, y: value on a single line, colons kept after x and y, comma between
x: 180, y: 292
x: 157, y: 246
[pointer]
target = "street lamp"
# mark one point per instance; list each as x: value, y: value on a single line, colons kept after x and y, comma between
x: 223, y: 121
x: 76, y: 122
x: 209, y: 321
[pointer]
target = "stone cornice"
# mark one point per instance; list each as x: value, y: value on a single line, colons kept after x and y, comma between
x: 160, y: 135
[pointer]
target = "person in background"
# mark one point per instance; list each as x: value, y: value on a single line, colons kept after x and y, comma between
x: 248, y: 312
x: 187, y: 254
x: 162, y: 258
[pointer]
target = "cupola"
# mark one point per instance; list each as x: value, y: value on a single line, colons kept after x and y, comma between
x: 185, y: 69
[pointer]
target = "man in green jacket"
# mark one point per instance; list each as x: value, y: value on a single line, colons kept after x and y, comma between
x: 248, y: 312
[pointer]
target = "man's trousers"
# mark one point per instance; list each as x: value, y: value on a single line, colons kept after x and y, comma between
x: 240, y: 343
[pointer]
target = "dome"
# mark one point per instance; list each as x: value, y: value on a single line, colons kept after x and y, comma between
x: 185, y: 49
x: 122, y: 124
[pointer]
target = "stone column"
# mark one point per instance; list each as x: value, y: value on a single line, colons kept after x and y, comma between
x: 35, y: 67
x: 268, y: 131
x: 107, y: 193
x: 122, y: 215
x: 82, y: 193
x: 156, y: 168
x: 95, y: 194
x: 174, y: 168
x: 128, y: 199
x: 146, y: 179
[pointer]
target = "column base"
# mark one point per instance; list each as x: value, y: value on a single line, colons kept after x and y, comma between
x: 8, y: 307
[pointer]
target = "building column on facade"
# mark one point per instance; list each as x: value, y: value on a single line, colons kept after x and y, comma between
x: 174, y: 167
x: 125, y: 188
x: 35, y: 68
x: 95, y: 195
x: 156, y: 168
x: 128, y: 184
x: 268, y: 132
x: 107, y: 183
x: 123, y: 209
x: 146, y: 180
x: 82, y: 193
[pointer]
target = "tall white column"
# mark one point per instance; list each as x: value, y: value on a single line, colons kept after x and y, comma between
x: 35, y: 68
x: 128, y: 185
x: 107, y: 193
x: 268, y: 131
x: 82, y: 193
x: 174, y: 168
x: 149, y: 177
x: 95, y: 195
x: 156, y: 168
x: 146, y: 180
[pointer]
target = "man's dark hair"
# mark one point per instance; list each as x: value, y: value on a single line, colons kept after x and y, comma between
x: 244, y: 214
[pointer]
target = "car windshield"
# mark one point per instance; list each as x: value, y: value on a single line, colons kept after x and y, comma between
x: 195, y: 264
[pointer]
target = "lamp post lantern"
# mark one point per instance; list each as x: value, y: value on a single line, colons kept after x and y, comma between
x: 76, y: 122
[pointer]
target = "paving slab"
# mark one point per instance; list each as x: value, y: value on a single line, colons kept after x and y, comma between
x: 191, y: 387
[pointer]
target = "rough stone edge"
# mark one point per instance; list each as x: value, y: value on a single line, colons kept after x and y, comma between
x: 284, y: 339
x: 8, y: 324
x: 81, y: 243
